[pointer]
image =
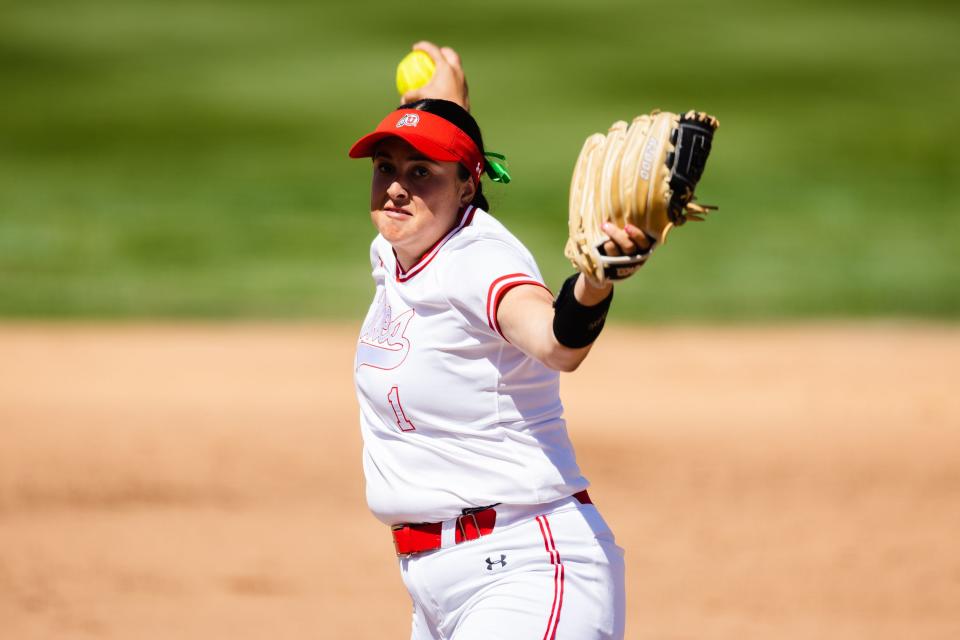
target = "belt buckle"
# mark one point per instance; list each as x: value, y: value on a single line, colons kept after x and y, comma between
x: 463, y: 529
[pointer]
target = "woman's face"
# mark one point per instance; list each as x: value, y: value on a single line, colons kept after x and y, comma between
x: 414, y: 201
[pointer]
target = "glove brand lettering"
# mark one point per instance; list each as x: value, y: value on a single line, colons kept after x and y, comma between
x: 646, y: 160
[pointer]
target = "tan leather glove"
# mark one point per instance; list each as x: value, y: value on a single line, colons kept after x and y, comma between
x: 643, y: 174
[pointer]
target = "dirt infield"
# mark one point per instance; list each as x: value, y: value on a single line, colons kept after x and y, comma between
x: 204, y: 482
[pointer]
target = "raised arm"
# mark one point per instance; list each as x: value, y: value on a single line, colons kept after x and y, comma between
x: 559, y: 333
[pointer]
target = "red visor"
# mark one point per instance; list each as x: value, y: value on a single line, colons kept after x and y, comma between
x: 431, y: 135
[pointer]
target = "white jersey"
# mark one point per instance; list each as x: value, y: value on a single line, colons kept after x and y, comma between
x: 452, y: 415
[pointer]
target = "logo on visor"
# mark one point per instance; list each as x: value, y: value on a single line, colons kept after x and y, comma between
x: 408, y: 120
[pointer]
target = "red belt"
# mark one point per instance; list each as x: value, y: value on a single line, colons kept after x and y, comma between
x: 417, y: 538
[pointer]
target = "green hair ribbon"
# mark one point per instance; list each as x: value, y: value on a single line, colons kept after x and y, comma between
x: 497, y: 167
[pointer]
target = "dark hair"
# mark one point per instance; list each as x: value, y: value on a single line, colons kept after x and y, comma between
x: 460, y: 118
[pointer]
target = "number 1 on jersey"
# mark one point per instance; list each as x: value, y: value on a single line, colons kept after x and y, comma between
x: 402, y: 422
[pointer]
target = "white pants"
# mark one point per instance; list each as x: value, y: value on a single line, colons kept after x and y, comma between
x: 554, y: 572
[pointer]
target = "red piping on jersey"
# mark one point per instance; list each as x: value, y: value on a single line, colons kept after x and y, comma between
x: 463, y: 220
x: 493, y: 299
x: 548, y: 543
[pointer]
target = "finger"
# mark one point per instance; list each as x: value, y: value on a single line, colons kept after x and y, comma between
x: 433, y: 51
x: 621, y: 241
x: 456, y: 64
x: 411, y: 96
x: 452, y: 57
x: 639, y: 237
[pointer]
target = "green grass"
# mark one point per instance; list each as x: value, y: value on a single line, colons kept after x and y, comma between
x: 188, y: 159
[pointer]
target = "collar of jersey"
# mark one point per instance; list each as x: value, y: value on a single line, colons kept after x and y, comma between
x: 464, y: 219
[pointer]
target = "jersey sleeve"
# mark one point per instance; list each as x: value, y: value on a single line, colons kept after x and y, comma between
x: 482, y: 273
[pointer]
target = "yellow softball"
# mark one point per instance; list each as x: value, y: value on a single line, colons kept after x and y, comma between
x: 414, y: 71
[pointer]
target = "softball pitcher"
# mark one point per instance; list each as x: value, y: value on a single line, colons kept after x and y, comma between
x: 466, y: 453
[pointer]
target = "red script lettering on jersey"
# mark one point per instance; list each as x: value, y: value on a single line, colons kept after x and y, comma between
x: 382, y: 343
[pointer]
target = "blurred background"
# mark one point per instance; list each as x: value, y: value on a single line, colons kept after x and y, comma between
x: 184, y: 267
x: 188, y: 159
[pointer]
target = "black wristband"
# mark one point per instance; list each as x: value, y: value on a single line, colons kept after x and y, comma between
x: 574, y: 324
